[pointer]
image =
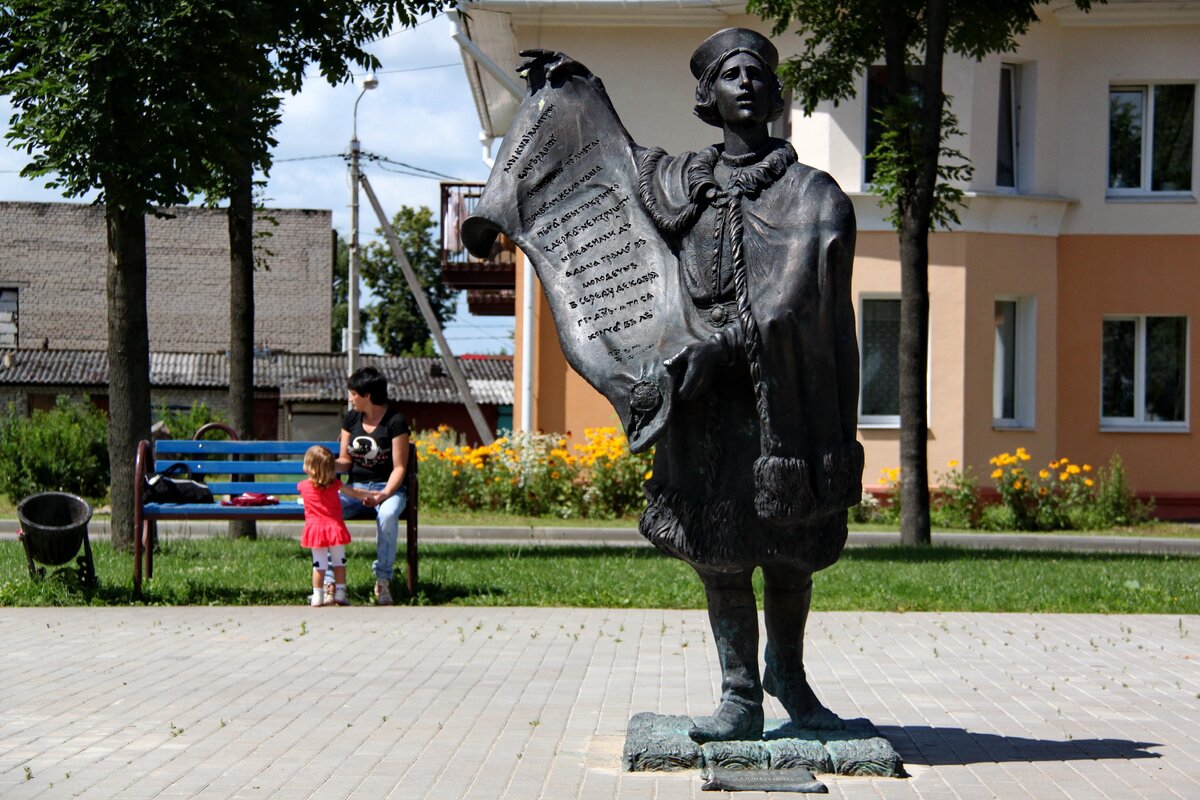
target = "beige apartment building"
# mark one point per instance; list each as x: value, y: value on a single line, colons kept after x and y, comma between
x: 1064, y: 308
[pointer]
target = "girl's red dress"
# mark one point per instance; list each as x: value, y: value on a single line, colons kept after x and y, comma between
x: 323, y: 525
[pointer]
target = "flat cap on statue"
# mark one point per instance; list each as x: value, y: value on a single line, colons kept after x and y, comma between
x: 723, y: 44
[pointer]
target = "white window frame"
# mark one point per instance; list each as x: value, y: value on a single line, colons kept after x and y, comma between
x: 1147, y: 178
x: 1138, y: 421
x: 1025, y: 367
x: 1012, y: 74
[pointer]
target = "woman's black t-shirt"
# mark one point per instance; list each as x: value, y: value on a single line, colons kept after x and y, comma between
x: 371, y: 453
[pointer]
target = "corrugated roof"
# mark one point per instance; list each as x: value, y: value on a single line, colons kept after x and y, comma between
x: 297, y: 376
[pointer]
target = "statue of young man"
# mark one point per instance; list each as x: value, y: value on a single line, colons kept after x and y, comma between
x: 758, y: 462
x: 707, y: 295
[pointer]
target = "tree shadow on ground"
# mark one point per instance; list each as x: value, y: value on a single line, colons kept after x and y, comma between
x: 937, y: 746
x: 440, y: 594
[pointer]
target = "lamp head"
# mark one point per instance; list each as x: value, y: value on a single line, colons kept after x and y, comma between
x: 370, y: 82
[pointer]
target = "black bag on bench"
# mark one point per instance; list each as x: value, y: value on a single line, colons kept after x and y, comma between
x: 162, y: 488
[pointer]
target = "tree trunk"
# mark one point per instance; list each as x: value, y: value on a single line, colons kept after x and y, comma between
x: 915, y: 222
x: 241, y: 316
x: 128, y: 360
x: 914, y: 356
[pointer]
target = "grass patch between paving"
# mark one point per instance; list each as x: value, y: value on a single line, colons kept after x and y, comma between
x: 276, y: 572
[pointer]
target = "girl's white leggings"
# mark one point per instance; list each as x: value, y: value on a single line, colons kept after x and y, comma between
x: 334, y: 556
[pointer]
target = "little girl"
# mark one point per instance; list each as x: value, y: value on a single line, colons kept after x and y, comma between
x: 324, y: 530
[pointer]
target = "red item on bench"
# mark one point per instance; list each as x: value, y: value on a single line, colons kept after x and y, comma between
x: 251, y: 499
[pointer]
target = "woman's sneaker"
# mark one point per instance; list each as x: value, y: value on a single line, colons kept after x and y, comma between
x: 318, y: 598
x: 383, y: 592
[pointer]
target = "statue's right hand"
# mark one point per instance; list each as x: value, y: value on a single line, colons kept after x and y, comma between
x: 553, y: 66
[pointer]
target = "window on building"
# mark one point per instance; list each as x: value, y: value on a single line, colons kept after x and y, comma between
x: 878, y: 98
x: 8, y: 318
x: 1144, y: 371
x: 1150, y: 131
x: 879, y: 402
x: 1013, y: 366
x: 1007, y: 128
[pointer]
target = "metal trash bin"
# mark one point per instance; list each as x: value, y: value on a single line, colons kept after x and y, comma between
x: 53, y: 526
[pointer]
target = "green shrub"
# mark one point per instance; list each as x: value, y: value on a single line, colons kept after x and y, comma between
x: 1115, y: 504
x: 183, y: 424
x: 64, y: 449
x: 955, y: 499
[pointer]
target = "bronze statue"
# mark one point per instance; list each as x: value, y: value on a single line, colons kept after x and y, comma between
x: 707, y: 295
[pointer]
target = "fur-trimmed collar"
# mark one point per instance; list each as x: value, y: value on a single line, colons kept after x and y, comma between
x: 745, y: 181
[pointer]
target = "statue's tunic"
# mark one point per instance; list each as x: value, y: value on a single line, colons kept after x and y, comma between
x: 762, y: 467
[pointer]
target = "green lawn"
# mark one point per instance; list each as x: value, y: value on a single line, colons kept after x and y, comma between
x: 276, y: 571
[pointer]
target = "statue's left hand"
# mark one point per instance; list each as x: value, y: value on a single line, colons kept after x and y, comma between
x: 695, y: 367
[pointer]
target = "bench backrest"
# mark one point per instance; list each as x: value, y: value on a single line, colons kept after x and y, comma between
x: 236, y: 462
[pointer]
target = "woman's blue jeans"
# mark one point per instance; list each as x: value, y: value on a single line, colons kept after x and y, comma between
x: 387, y: 524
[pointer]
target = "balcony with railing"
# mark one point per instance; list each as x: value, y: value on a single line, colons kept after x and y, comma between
x: 490, y: 282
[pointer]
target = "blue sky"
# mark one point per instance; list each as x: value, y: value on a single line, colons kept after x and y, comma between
x: 421, y: 114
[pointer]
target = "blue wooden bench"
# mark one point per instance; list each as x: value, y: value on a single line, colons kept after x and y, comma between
x: 234, y: 464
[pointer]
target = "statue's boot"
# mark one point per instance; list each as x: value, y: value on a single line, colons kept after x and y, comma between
x: 785, y: 606
x: 733, y: 614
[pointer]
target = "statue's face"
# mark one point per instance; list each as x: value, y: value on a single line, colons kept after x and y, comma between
x: 743, y: 90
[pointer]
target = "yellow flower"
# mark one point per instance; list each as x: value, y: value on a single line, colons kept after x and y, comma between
x: 649, y: 474
x: 1022, y: 454
x: 1053, y: 465
x: 952, y: 463
x: 1064, y: 460
x: 1062, y: 476
x: 1018, y: 485
x: 1044, y: 474
x: 1088, y: 482
x: 554, y: 476
x: 1087, y: 467
x: 997, y: 473
x: 454, y: 473
x: 1073, y: 469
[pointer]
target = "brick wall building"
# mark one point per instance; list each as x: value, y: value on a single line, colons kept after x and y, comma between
x: 52, y: 258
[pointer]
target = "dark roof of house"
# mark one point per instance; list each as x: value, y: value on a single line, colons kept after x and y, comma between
x: 297, y: 376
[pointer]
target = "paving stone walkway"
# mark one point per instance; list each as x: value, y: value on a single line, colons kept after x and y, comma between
x: 443, y: 703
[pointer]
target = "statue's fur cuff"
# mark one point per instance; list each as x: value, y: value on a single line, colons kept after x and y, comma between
x: 841, y: 479
x: 783, y: 488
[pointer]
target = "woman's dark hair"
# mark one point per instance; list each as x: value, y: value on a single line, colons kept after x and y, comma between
x: 369, y: 382
x: 706, y: 97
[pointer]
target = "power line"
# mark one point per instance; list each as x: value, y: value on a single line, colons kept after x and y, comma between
x: 386, y: 160
x: 308, y: 158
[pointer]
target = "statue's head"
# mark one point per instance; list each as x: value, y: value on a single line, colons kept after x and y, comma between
x: 736, y: 80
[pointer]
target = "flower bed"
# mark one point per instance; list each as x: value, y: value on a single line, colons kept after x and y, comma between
x: 533, y: 474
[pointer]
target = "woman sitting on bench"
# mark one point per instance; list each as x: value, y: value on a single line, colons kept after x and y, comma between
x: 374, y: 451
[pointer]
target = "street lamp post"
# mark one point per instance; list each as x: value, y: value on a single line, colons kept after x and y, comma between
x: 352, y: 333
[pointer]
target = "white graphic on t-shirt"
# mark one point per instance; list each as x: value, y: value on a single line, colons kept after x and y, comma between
x: 365, y: 451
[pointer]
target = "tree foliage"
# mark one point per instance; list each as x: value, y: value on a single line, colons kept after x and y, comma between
x: 395, y: 321
x: 129, y: 99
x: 917, y: 174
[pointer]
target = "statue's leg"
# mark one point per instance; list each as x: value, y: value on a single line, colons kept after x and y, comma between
x: 786, y: 596
x: 733, y: 615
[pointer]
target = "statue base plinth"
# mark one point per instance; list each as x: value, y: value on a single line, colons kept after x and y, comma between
x: 785, y: 755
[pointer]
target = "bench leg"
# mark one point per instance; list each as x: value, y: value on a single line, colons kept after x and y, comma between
x: 411, y: 553
x: 151, y: 542
x: 139, y: 526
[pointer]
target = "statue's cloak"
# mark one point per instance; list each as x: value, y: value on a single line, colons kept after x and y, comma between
x: 564, y: 189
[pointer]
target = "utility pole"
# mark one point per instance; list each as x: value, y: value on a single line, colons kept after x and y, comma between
x: 352, y: 333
